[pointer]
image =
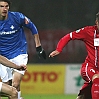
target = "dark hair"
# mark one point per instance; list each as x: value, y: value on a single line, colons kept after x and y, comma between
x: 8, y: 1
x: 97, y: 16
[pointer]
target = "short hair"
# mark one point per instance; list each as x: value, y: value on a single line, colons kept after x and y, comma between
x: 8, y: 1
x: 97, y: 16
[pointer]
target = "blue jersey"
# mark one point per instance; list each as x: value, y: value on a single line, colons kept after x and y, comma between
x: 12, y: 37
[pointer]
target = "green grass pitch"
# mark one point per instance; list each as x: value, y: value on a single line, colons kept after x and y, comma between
x: 48, y: 97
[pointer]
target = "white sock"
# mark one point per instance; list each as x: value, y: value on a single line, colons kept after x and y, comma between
x: 19, y: 94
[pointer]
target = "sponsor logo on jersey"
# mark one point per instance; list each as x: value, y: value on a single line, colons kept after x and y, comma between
x: 9, y: 32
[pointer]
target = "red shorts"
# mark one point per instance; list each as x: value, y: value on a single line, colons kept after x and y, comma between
x: 87, y: 72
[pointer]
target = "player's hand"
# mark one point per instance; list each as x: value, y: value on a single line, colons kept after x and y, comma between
x: 54, y: 53
x: 22, y: 67
x: 41, y: 53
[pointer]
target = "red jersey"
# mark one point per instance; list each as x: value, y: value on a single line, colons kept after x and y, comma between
x: 90, y: 36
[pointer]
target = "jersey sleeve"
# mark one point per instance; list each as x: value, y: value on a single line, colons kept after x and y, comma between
x: 26, y: 22
x: 78, y: 34
x: 62, y: 42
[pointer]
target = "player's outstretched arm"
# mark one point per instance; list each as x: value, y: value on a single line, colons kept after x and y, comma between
x: 6, y: 62
x: 37, y: 40
x: 40, y: 51
x: 54, y: 53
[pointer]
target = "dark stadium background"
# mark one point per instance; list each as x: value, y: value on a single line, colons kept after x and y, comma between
x: 54, y: 19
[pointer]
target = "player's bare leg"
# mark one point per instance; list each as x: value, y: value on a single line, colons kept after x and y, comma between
x: 10, y: 91
x: 8, y: 83
x: 17, y: 77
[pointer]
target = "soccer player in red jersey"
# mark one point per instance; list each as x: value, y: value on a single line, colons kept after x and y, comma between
x: 90, y: 68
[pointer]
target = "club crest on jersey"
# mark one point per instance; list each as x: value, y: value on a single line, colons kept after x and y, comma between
x: 12, y: 27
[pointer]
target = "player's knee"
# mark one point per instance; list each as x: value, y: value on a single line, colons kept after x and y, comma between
x: 14, y: 92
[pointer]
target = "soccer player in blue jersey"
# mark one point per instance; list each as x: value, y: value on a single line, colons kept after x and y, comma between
x: 13, y: 44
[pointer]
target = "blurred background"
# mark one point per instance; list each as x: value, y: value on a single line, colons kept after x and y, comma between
x: 54, y: 19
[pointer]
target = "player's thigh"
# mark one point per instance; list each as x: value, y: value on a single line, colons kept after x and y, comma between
x: 8, y: 89
x: 87, y: 72
x: 17, y: 77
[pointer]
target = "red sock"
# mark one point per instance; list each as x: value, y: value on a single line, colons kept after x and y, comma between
x: 95, y: 89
